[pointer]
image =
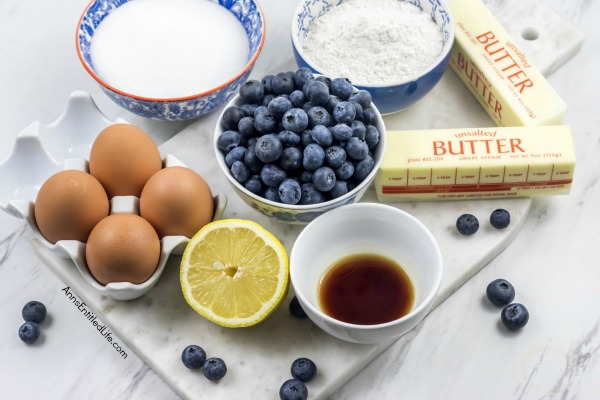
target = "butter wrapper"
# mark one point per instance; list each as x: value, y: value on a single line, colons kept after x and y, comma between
x: 500, y: 76
x: 455, y: 164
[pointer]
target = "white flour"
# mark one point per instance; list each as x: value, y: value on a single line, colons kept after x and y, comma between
x: 166, y: 49
x: 374, y: 41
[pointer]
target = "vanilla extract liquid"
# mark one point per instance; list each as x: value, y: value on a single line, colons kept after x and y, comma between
x: 366, y: 289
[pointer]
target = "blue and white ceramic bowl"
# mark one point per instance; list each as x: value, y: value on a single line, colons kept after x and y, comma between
x: 248, y: 13
x: 299, y: 214
x: 393, y: 96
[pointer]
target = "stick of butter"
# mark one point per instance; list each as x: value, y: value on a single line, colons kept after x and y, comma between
x: 500, y: 76
x: 454, y: 164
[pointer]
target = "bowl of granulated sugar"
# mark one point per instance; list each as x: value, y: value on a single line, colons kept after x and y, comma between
x: 170, y: 60
x: 397, y: 50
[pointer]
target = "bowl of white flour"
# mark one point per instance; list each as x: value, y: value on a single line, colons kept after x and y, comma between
x: 397, y: 50
x: 173, y: 60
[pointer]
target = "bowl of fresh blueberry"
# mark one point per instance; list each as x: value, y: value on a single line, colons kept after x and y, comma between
x: 294, y: 145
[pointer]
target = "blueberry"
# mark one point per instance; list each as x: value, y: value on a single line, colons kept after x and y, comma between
x: 318, y: 116
x: 246, y: 127
x: 344, y: 112
x: 193, y: 356
x: 317, y: 93
x: 291, y: 158
x: 372, y: 137
x: 363, y: 98
x: 295, y: 120
x: 228, y: 140
x: 341, y: 132
x: 34, y: 311
x: 302, y: 76
x: 339, y: 189
x: 297, y: 98
x: 260, y: 109
x: 265, y: 123
x: 500, y: 218
x: 267, y: 82
x: 363, y: 168
x: 324, y: 179
x: 342, y: 88
x: 231, y: 117
x: 307, y: 106
x: 252, y: 91
x: 304, y: 369
x: 500, y: 292
x: 214, y: 369
x: 357, y: 149
x: 345, y: 171
x: 267, y: 99
x: 305, y: 176
x: 358, y: 108
x: 359, y: 129
x: 310, y: 194
x: 322, y: 136
x: 240, y: 172
x: 29, y: 332
x: 255, y: 185
x: 289, y: 191
x: 514, y: 316
x: 236, y: 154
x: 289, y: 138
x: 467, y: 224
x: 252, y: 161
x: 306, y: 138
x: 314, y: 156
x: 325, y: 79
x: 279, y: 106
x: 333, y: 101
x: 283, y: 83
x: 296, y: 309
x: 293, y: 389
x: 249, y: 109
x: 272, y: 175
x: 368, y: 116
x: 335, y: 156
x: 268, y: 148
x: 272, y: 194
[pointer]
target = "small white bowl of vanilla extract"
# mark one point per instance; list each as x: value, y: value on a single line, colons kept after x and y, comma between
x: 366, y: 272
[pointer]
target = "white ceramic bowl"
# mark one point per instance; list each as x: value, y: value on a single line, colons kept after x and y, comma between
x: 366, y: 228
x: 299, y: 214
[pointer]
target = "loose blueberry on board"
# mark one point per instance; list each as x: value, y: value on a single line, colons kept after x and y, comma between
x: 514, y: 316
x: 293, y: 389
x: 304, y: 369
x: 296, y: 309
x: 214, y: 369
x: 34, y: 311
x: 193, y: 356
x: 29, y: 332
x: 500, y: 218
x: 500, y: 292
x: 467, y: 224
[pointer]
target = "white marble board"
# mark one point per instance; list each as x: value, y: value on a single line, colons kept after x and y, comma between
x: 160, y: 324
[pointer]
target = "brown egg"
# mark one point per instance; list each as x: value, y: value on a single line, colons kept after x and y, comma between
x: 123, y: 158
x: 68, y: 205
x: 122, y: 248
x: 177, y: 201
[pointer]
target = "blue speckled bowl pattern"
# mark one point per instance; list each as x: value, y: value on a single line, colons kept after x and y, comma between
x: 247, y: 12
x: 390, y: 98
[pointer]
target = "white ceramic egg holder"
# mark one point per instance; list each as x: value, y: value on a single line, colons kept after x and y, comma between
x: 43, y: 150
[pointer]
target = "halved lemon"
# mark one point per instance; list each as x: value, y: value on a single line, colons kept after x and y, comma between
x: 234, y: 272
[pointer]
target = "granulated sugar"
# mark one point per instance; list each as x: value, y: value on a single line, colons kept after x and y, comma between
x: 167, y: 49
x: 374, y: 41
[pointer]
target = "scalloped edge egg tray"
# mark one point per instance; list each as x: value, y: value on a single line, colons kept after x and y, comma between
x: 43, y: 150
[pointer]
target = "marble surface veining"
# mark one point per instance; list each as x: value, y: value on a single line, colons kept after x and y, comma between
x: 459, y: 351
